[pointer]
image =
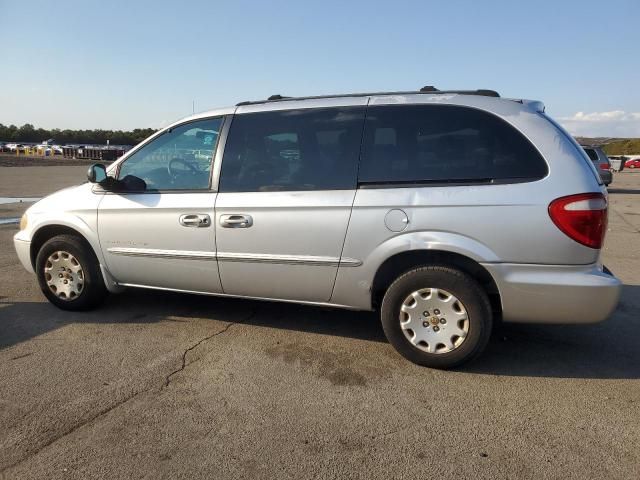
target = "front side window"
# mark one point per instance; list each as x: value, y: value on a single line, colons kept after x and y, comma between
x: 313, y: 149
x: 179, y: 159
x: 444, y: 143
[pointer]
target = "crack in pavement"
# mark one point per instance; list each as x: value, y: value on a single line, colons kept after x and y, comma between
x: 198, y: 343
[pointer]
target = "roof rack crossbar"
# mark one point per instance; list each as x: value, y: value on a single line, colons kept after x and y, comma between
x: 428, y: 90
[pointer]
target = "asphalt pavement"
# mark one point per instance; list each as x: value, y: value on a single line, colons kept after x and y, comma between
x: 161, y: 385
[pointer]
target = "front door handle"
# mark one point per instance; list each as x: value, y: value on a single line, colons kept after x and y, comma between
x: 236, y: 221
x: 197, y: 220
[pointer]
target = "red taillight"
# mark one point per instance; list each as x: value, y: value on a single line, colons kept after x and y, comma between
x: 582, y: 217
x: 604, y: 166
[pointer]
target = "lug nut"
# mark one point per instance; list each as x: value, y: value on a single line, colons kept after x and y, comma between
x: 59, y: 275
x: 66, y: 281
x: 425, y: 324
x: 425, y: 313
x: 436, y: 328
x: 436, y: 312
x: 443, y: 321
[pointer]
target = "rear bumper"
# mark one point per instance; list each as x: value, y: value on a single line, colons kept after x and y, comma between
x: 555, y: 293
x: 606, y: 176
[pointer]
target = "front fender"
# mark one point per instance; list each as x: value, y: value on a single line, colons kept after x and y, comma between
x: 87, y: 227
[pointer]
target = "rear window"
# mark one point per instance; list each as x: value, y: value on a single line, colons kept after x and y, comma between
x: 593, y: 155
x: 444, y: 143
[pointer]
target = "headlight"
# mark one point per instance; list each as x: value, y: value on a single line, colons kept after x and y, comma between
x: 24, y: 221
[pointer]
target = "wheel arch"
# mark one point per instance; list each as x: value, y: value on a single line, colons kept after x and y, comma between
x: 401, y: 262
x: 46, y: 232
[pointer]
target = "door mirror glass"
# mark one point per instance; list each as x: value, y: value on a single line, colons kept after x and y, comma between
x: 97, y: 173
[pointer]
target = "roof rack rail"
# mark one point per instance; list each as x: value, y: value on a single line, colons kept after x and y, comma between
x: 428, y: 90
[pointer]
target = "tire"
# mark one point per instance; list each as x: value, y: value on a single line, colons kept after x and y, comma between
x: 472, y: 303
x: 84, y: 288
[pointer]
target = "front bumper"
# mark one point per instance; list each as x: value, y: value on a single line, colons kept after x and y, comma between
x: 555, y: 293
x: 23, y: 249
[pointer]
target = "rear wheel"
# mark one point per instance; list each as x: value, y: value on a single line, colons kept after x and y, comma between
x: 437, y: 316
x: 69, y: 273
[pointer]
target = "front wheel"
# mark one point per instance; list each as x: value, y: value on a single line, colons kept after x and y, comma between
x: 436, y: 316
x: 69, y: 273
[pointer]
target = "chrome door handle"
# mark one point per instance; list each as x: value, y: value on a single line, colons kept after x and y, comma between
x: 236, y: 221
x: 197, y: 220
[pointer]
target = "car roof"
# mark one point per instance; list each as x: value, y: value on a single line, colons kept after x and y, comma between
x: 429, y: 90
x: 481, y: 98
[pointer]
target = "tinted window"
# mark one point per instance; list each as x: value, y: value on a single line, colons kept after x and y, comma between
x: 293, y: 150
x: 416, y: 143
x: 593, y: 155
x: 179, y: 159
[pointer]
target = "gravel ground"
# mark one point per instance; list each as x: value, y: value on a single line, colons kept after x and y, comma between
x: 158, y: 385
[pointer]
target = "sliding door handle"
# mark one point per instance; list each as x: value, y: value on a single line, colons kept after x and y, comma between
x: 236, y: 221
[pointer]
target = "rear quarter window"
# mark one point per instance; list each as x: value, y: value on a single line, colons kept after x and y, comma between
x: 444, y: 143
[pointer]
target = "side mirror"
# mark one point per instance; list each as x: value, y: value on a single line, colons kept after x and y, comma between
x: 96, y: 173
x: 131, y: 183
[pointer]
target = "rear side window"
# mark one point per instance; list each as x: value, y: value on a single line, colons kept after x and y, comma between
x: 444, y: 143
x: 293, y: 150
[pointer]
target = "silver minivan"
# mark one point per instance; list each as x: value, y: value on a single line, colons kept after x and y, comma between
x: 444, y: 210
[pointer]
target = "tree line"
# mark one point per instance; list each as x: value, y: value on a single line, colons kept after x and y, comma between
x: 28, y: 133
x: 623, y: 147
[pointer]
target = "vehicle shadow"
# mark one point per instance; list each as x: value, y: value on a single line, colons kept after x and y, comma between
x: 21, y: 321
x: 603, y: 351
x: 607, y: 350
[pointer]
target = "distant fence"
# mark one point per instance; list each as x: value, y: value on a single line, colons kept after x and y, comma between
x: 104, y: 154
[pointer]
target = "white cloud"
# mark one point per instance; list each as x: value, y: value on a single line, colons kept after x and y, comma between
x: 617, y: 123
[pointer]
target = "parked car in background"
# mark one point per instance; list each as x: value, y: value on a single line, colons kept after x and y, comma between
x: 632, y: 163
x: 444, y: 211
x: 601, y: 161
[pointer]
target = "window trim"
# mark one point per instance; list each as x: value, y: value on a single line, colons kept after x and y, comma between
x: 445, y: 183
x: 223, y: 125
x: 453, y: 182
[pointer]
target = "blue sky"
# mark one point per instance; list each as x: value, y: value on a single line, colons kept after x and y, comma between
x: 126, y: 64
